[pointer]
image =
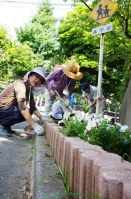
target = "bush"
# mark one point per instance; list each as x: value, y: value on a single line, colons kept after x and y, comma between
x: 111, y: 138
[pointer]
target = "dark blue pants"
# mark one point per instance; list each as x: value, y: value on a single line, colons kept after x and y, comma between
x: 11, y: 115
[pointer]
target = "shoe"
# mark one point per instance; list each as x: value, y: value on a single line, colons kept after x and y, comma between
x: 55, y: 118
x: 72, y: 114
x: 61, y: 123
x: 3, y: 131
x: 9, y: 130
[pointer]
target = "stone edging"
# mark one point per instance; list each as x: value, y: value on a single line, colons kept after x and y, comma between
x: 93, y: 171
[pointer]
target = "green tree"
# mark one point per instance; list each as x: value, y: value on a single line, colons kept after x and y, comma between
x: 77, y: 42
x: 40, y: 34
x: 15, y: 58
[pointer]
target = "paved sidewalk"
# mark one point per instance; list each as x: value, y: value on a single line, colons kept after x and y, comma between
x: 28, y: 169
x: 15, y: 168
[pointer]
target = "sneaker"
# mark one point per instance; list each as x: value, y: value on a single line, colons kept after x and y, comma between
x: 72, y: 114
x: 3, y: 131
x: 9, y: 130
x: 55, y: 118
x: 61, y: 123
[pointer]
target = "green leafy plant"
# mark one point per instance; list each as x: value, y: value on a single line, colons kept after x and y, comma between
x: 75, y: 128
x: 122, y: 159
x: 86, y: 109
x: 65, y: 178
x: 80, y: 100
x: 111, y: 139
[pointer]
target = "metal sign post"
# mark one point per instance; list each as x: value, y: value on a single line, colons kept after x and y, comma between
x: 101, y: 13
x: 100, y: 74
x: 100, y: 30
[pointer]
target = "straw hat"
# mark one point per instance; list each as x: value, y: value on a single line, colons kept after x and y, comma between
x: 72, y: 70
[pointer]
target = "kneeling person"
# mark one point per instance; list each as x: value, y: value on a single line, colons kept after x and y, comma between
x: 57, y: 110
x: 17, y: 102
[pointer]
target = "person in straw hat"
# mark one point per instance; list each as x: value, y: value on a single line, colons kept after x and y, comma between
x: 62, y: 80
x: 17, y: 102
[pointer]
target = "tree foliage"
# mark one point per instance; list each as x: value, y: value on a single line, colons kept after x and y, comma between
x: 15, y: 58
x: 76, y: 41
x: 40, y: 33
x: 122, y: 14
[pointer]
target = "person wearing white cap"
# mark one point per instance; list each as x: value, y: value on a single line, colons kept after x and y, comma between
x: 61, y: 81
x: 17, y: 102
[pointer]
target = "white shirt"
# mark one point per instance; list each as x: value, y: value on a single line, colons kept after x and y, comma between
x: 92, y: 96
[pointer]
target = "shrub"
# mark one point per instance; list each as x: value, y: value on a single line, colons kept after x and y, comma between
x: 110, y: 137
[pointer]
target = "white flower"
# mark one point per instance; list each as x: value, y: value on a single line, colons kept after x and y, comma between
x: 91, y: 124
x: 89, y: 116
x: 108, y: 101
x: 98, y: 120
x: 88, y: 128
x: 118, y: 124
x: 123, y: 128
x: 66, y: 116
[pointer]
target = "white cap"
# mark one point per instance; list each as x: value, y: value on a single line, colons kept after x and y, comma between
x: 41, y: 71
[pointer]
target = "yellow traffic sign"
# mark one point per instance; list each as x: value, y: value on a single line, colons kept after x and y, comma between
x: 103, y: 11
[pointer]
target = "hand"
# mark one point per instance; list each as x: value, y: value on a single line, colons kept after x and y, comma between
x: 90, y: 105
x: 38, y: 129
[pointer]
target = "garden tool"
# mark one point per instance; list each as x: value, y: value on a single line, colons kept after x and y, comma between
x: 58, y: 96
x: 28, y: 129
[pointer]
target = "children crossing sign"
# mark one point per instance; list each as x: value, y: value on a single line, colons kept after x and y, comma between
x: 103, y: 11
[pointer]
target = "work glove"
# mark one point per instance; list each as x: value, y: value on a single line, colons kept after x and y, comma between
x: 52, y: 93
x: 67, y: 102
x: 38, y: 129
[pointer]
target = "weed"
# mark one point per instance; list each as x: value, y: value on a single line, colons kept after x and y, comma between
x: 74, y: 128
x: 65, y: 178
x: 122, y: 159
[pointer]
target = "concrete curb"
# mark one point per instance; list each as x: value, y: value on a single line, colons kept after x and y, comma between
x: 46, y: 182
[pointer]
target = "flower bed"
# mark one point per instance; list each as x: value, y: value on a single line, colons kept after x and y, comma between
x: 99, y: 131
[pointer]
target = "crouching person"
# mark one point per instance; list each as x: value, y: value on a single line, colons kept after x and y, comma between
x: 17, y: 102
x: 57, y: 110
x: 90, y: 92
x: 62, y: 82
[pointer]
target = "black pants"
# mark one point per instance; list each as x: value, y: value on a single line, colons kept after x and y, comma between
x: 11, y: 115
